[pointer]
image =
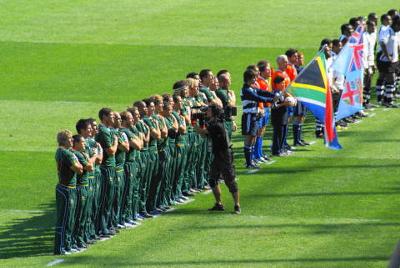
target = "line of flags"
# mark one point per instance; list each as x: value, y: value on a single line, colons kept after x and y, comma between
x: 312, y: 88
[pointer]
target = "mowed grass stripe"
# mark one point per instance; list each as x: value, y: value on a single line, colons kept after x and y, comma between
x: 111, y: 73
x: 190, y: 22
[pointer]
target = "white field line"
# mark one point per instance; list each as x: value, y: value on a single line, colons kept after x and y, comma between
x: 17, y: 211
x: 55, y: 262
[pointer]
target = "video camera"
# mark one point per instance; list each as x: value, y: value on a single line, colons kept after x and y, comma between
x: 198, y: 115
x: 230, y: 111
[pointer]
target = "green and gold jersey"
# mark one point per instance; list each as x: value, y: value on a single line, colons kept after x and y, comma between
x: 65, y: 160
x: 82, y: 179
x: 105, y: 138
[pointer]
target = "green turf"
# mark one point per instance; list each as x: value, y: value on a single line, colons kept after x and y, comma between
x: 64, y: 60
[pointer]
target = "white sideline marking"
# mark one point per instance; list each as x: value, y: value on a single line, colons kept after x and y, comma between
x: 24, y: 211
x: 385, y: 109
x: 55, y: 262
x: 271, y: 162
x: 169, y: 210
x: 358, y: 122
x: 372, y: 115
x: 312, y: 142
x: 252, y: 171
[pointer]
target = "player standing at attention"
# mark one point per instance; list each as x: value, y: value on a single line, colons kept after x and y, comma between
x: 369, y: 41
x: 82, y: 214
x: 67, y: 168
x: 263, y: 80
x: 109, y: 143
x: 383, y: 34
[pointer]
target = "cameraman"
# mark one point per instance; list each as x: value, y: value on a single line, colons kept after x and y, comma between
x: 222, y: 164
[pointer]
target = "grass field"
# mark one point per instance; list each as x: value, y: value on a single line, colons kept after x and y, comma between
x: 63, y: 60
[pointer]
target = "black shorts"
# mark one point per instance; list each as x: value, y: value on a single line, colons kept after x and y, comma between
x: 222, y: 168
x: 388, y: 71
x: 249, y: 124
x: 388, y: 67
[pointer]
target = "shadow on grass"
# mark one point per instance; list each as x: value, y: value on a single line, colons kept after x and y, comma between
x: 292, y: 170
x: 325, y: 227
x: 30, y: 236
x: 201, y: 262
x: 311, y: 194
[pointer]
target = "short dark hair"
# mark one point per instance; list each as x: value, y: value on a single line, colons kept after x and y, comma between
x: 372, y: 15
x: 104, y: 112
x: 180, y: 84
x: 384, y: 17
x: 336, y: 42
x: 262, y: 65
x: 192, y: 75
x: 392, y: 13
x: 76, y: 138
x: 82, y: 124
x: 344, y: 28
x: 290, y: 52
x: 353, y: 22
x: 148, y: 101
x: 221, y: 72
x: 325, y: 41
x: 138, y: 103
x: 370, y: 23
x: 204, y: 73
x: 91, y: 120
x: 252, y: 67
x: 166, y: 97
x: 248, y: 75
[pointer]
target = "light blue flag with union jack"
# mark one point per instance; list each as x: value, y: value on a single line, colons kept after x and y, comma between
x: 349, y: 62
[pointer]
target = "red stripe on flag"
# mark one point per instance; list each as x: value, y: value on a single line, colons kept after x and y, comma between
x: 329, y: 131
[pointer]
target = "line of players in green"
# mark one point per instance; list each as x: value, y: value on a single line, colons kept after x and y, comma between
x: 135, y: 164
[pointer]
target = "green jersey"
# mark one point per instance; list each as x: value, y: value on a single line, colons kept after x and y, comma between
x: 120, y: 155
x: 160, y: 142
x: 181, y: 122
x: 141, y: 127
x: 106, y: 139
x: 206, y: 91
x: 185, y: 111
x: 83, y: 158
x: 224, y: 96
x: 152, y: 125
x: 131, y: 133
x: 65, y: 159
x: 197, y: 101
x: 91, y: 150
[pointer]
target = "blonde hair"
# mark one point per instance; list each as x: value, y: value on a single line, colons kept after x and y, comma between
x: 63, y: 136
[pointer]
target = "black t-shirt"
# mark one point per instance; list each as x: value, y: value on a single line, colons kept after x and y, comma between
x: 218, y: 135
x: 279, y: 116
